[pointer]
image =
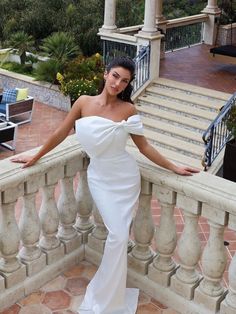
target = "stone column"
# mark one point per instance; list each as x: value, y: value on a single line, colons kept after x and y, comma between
x: 149, y: 26
x: 211, y: 6
x: 159, y: 15
x: 109, y: 25
x: 209, y: 33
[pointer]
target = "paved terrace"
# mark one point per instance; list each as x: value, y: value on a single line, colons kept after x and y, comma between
x: 64, y: 294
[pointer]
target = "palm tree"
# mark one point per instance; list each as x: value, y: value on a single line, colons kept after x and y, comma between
x: 60, y: 46
x: 22, y: 42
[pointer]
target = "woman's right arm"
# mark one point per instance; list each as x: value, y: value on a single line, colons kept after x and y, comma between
x: 56, y: 138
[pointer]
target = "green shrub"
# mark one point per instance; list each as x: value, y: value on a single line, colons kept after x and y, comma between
x: 47, y: 71
x: 18, y: 68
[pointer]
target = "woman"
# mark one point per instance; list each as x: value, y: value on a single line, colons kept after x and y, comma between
x: 103, y: 124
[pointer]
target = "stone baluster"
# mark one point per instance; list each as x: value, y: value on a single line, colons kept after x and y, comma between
x: 14, y: 271
x: 29, y: 225
x: 143, y: 230
x: 97, y: 239
x: 187, y: 278
x: 68, y: 211
x: 210, y: 291
x: 163, y: 265
x: 228, y: 306
x: 84, y: 201
x: 49, y: 218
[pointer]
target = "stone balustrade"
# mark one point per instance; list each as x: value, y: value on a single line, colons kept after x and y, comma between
x: 49, y: 223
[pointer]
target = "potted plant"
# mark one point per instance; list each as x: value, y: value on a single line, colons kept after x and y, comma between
x: 229, y: 164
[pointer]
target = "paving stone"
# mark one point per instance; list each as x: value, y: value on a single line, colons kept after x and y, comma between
x: 54, y: 285
x: 75, y: 271
x: 77, y: 285
x: 33, y: 298
x: 56, y: 300
x: 14, y: 309
x: 148, y: 309
x: 35, y: 309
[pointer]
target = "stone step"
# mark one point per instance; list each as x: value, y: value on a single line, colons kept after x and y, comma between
x: 183, y: 96
x: 174, y: 156
x: 178, y: 145
x: 193, y: 88
x: 172, y: 118
x: 173, y: 130
x: 171, y: 105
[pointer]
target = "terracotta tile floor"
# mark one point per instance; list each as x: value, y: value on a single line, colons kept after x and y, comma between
x: 64, y: 294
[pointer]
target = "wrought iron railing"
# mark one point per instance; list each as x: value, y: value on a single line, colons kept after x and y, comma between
x: 183, y: 36
x: 142, y: 61
x: 112, y: 49
x: 217, y: 134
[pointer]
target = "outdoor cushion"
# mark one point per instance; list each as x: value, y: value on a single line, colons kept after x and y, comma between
x: 9, y: 95
x: 22, y: 93
x: 3, y: 108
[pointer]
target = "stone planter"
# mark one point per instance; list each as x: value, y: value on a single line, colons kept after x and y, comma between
x: 229, y: 164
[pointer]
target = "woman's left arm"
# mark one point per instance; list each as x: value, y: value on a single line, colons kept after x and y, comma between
x: 152, y: 154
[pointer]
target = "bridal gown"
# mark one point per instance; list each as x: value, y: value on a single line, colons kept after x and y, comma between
x: 114, y: 183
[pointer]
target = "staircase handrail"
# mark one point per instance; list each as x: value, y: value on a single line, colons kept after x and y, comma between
x: 217, y: 134
x: 142, y: 62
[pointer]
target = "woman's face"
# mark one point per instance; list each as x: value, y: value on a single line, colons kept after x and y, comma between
x: 117, y: 80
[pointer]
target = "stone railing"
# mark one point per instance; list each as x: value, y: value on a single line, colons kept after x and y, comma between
x: 46, y: 238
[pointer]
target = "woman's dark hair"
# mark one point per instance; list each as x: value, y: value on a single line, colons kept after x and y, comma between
x: 128, y: 64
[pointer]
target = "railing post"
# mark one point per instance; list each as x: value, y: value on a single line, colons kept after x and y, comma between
x: 213, y: 11
x: 67, y: 209
x: 143, y: 229
x: 163, y: 265
x: 187, y: 278
x: 49, y: 217
x: 84, y: 203
x: 10, y: 266
x: 228, y: 306
x: 97, y: 239
x: 210, y: 291
x: 29, y: 225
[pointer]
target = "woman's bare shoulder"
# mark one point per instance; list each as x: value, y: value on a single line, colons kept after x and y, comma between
x: 130, y: 109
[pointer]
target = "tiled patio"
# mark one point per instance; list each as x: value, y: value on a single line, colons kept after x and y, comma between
x: 64, y: 294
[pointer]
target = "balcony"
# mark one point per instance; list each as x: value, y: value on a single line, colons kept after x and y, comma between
x: 66, y: 256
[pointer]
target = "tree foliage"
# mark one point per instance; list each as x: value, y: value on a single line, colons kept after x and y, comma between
x: 81, y: 18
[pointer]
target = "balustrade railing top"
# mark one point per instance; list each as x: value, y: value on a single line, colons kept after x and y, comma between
x: 57, y: 232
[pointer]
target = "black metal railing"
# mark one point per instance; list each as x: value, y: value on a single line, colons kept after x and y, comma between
x: 183, y: 36
x: 112, y: 49
x: 217, y: 134
x: 142, y: 61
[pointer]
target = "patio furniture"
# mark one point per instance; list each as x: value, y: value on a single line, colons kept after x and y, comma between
x: 20, y: 111
x: 14, y: 110
x: 8, y: 133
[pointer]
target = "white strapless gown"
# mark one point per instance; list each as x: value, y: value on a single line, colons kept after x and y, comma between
x: 114, y: 182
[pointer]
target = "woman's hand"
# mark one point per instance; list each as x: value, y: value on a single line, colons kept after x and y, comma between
x: 27, y: 161
x: 185, y: 171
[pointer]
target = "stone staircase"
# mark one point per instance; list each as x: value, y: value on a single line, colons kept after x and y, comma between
x: 175, y: 115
